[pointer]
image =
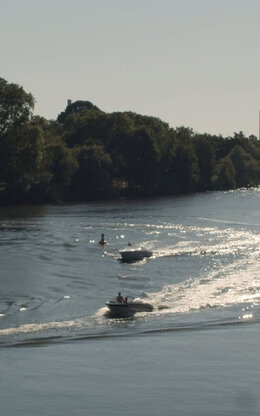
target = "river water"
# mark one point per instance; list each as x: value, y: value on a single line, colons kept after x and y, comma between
x: 197, y: 353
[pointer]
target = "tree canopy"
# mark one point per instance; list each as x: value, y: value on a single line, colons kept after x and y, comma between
x: 15, y: 106
x: 90, y: 154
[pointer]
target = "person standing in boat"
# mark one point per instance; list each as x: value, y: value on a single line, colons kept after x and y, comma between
x: 119, y: 298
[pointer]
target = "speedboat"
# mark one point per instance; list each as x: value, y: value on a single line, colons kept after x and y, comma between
x: 134, y: 254
x: 128, y: 307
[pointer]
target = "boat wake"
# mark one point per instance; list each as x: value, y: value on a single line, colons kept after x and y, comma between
x: 236, y: 284
x: 116, y: 328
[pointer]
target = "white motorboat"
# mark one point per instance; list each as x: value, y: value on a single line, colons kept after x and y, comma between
x: 128, y: 307
x: 135, y: 254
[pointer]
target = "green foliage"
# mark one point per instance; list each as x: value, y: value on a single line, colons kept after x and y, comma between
x: 247, y: 168
x: 21, y: 157
x: 74, y: 108
x: 61, y: 163
x: 224, y: 175
x: 93, y: 178
x: 185, y: 169
x: 89, y: 154
x: 205, y: 150
x: 15, y: 106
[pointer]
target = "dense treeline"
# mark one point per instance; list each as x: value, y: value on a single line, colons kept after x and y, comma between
x: 89, y: 154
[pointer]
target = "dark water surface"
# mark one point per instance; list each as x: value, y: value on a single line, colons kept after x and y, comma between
x: 197, y: 353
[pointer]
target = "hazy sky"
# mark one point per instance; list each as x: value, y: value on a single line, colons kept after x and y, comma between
x: 194, y: 63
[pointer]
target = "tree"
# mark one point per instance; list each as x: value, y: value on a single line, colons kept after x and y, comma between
x: 76, y: 107
x: 21, y: 156
x: 15, y: 107
x: 185, y: 170
x: 62, y: 163
x: 93, y: 180
x: 247, y: 168
x: 206, y: 155
x: 224, y: 175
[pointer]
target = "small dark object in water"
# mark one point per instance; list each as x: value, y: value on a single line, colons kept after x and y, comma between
x: 102, y: 240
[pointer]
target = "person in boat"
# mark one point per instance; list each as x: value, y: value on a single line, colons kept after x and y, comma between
x: 125, y: 300
x: 119, y: 298
x: 102, y: 240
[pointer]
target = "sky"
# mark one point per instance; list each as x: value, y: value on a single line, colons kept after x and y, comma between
x: 192, y: 63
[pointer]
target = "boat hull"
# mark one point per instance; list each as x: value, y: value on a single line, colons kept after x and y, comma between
x: 124, y: 309
x: 134, y: 255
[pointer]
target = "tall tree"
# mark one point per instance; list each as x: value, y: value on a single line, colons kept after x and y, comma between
x: 15, y: 106
x: 93, y: 180
x: 76, y: 107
